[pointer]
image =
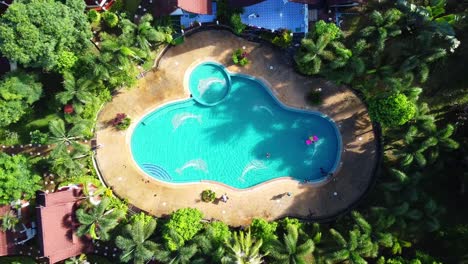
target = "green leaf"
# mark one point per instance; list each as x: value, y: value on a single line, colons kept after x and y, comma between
x: 406, y: 160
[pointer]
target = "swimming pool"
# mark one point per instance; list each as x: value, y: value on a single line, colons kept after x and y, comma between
x: 242, y: 138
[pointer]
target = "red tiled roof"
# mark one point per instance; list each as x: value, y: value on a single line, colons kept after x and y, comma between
x: 241, y: 3
x: 56, y: 225
x: 7, y: 246
x: 196, y: 6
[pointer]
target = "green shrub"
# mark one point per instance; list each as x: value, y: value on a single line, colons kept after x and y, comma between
x: 37, y: 137
x: 237, y: 24
x: 262, y: 229
x: 393, y: 110
x: 239, y: 57
x: 283, y: 40
x: 283, y: 223
x: 314, y: 97
x: 220, y: 231
x: 9, y: 138
x: 66, y: 61
x: 141, y: 217
x: 94, y: 17
x: 110, y: 18
x: 186, y: 223
x: 124, y: 124
x: 208, y: 196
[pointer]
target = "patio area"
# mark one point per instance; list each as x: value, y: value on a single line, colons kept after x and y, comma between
x: 165, y: 84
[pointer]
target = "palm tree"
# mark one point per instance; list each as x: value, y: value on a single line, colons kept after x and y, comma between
x: 9, y: 220
x: 314, y: 52
x: 354, y: 67
x: 402, y: 208
x: 63, y: 139
x: 120, y: 50
x: 134, y: 242
x: 76, y: 91
x: 144, y: 35
x: 211, y: 251
x: 181, y: 255
x: 289, y: 252
x: 362, y: 243
x: 243, y: 250
x: 383, y: 26
x: 98, y: 221
x: 66, y: 164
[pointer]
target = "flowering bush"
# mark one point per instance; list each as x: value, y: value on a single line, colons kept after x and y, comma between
x: 121, y: 121
x: 239, y: 57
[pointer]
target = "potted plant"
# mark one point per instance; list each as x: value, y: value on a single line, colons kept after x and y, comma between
x: 121, y: 121
x: 208, y: 196
x: 240, y: 57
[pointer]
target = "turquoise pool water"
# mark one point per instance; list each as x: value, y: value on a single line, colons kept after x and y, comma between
x: 245, y: 138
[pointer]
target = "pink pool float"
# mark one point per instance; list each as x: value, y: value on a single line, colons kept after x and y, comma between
x: 308, y: 142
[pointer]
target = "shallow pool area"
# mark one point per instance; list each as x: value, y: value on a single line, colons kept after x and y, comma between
x: 234, y: 131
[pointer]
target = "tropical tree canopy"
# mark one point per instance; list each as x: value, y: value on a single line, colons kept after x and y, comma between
x: 243, y: 249
x: 17, y: 181
x: 393, y: 110
x: 134, y: 242
x: 186, y: 223
x: 289, y: 251
x: 18, y: 90
x: 98, y: 221
x: 322, y: 48
x: 37, y: 32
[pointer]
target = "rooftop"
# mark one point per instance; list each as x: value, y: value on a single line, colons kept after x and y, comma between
x: 57, y: 224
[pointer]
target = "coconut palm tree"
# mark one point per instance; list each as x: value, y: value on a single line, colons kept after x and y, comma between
x: 288, y: 251
x: 363, y: 243
x: 134, y: 242
x: 98, y: 221
x: 120, y: 49
x: 63, y: 139
x: 9, y: 220
x: 76, y: 91
x: 382, y: 27
x: 143, y: 34
x: 243, y: 250
x: 181, y: 255
x: 315, y: 52
x: 406, y: 206
x: 66, y: 164
x: 354, y: 67
x: 210, y: 250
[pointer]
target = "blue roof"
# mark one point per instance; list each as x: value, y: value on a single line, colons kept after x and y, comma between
x: 188, y: 18
x: 277, y: 14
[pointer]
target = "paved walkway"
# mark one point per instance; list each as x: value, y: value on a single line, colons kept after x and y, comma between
x: 166, y: 84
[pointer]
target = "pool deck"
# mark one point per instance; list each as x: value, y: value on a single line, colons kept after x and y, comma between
x: 166, y: 84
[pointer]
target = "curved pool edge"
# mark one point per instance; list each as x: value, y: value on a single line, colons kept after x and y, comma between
x: 316, y: 183
x: 309, y: 202
x: 225, y: 73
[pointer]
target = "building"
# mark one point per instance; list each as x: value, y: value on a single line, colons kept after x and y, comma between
x: 57, y: 224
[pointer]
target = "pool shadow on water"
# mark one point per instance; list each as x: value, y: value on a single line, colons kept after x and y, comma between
x: 233, y: 123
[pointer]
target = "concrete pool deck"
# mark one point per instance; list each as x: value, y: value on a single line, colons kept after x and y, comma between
x: 165, y: 84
